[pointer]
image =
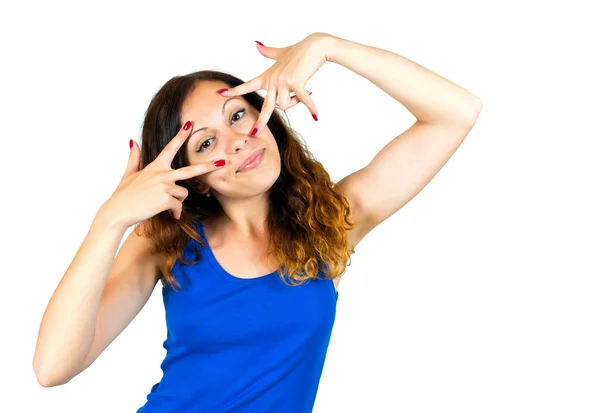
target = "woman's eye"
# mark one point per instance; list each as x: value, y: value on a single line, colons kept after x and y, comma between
x: 239, y: 111
x: 201, y: 148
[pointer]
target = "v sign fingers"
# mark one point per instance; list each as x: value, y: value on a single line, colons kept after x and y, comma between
x: 146, y: 193
x: 166, y: 156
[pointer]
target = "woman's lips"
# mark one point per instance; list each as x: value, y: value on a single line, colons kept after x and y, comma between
x: 254, y: 161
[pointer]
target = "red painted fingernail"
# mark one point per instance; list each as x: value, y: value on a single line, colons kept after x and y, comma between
x: 220, y: 91
x: 309, y: 93
x: 254, y: 131
x: 259, y: 43
x: 187, y: 125
x: 315, y: 117
x: 220, y: 162
x: 130, y: 143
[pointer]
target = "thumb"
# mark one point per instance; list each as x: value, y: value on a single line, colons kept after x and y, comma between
x: 270, y: 52
x: 133, y: 164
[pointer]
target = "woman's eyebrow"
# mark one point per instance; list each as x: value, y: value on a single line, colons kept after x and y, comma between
x: 222, y: 112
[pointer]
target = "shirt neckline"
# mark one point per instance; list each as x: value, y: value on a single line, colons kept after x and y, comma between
x: 223, y: 273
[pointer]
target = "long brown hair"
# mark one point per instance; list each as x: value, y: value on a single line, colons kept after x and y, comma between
x: 308, y: 217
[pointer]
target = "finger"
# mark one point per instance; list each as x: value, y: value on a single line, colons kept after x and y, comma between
x: 191, y: 171
x: 168, y: 153
x: 177, y: 191
x: 133, y: 163
x: 175, y: 203
x: 283, y: 98
x: 175, y: 208
x: 267, y: 110
x: 294, y: 101
x: 250, y: 86
x: 270, y: 52
x: 304, y: 97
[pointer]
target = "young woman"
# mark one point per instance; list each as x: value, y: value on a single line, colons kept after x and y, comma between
x: 245, y: 230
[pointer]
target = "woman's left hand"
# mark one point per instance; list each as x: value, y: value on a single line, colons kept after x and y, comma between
x: 293, y: 67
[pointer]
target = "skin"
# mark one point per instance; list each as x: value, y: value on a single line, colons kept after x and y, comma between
x: 445, y: 114
x: 243, y: 196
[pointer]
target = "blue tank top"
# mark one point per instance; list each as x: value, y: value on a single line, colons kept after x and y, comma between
x: 241, y: 345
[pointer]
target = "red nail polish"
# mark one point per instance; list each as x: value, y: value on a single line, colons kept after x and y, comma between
x: 187, y: 125
x: 130, y: 143
x: 259, y: 43
x: 222, y: 90
x: 254, y: 131
x: 220, y: 162
x: 315, y: 117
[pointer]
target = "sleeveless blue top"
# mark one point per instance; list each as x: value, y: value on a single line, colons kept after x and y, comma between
x: 241, y: 345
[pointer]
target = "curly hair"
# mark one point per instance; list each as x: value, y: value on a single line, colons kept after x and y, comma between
x: 308, y: 217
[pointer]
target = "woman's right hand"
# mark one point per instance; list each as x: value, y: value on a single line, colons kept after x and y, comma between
x: 143, y: 194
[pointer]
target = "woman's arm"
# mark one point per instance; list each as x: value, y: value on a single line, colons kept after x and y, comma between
x: 96, y: 299
x: 445, y: 114
x: 427, y: 95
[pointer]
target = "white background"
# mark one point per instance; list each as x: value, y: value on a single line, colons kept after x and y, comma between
x: 480, y: 295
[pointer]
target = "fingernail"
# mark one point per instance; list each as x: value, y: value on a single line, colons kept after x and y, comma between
x: 259, y: 43
x: 187, y: 125
x: 130, y: 143
x: 220, y: 162
x: 221, y: 91
x: 254, y: 131
x: 309, y: 93
x: 315, y: 117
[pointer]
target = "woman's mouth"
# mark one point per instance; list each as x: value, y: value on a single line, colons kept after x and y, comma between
x: 254, y: 162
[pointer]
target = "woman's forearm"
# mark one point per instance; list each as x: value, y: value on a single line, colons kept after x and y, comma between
x: 428, y: 96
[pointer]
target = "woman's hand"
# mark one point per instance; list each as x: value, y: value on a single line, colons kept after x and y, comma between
x: 143, y: 194
x: 294, y: 65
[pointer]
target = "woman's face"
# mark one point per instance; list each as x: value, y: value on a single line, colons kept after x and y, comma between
x: 221, y: 128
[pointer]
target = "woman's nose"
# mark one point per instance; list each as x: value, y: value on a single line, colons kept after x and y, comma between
x: 237, y: 141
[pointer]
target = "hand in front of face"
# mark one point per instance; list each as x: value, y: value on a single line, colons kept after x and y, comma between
x: 144, y: 193
x: 294, y: 66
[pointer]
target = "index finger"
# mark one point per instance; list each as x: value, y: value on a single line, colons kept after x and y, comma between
x: 250, y: 86
x: 170, y: 150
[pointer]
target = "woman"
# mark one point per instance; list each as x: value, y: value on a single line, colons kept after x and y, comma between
x: 244, y: 229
